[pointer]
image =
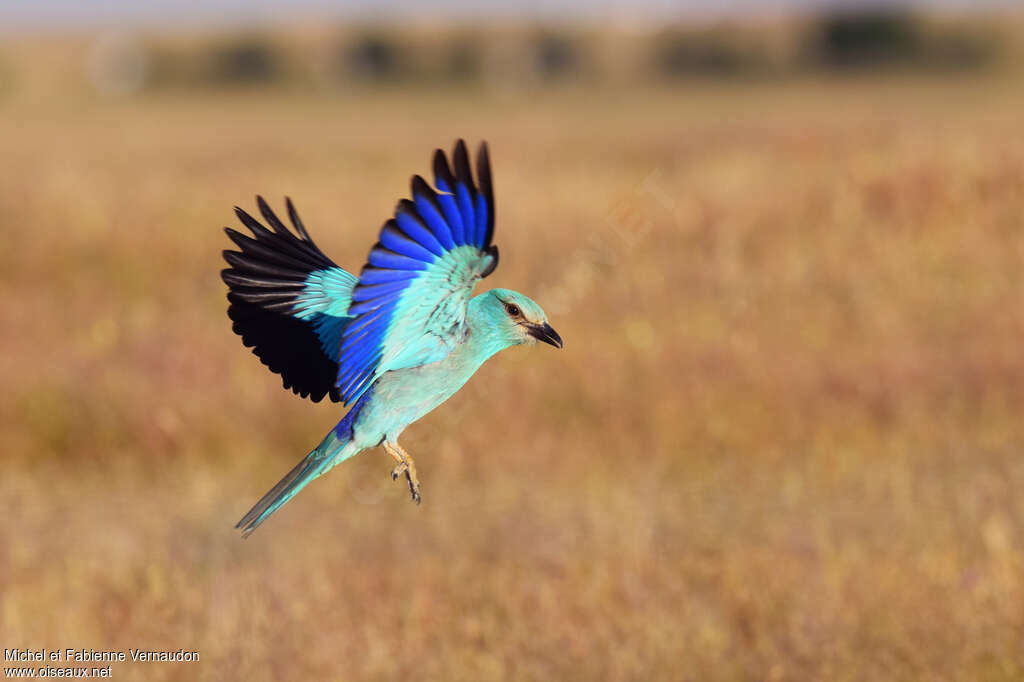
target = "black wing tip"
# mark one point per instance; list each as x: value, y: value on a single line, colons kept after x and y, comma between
x: 483, y: 166
x: 233, y: 258
x: 420, y: 186
x: 491, y: 251
x: 460, y: 162
x: 297, y: 243
x: 460, y: 159
x: 268, y: 214
x: 271, y: 217
x: 443, y: 170
x: 483, y: 162
x: 240, y: 239
x: 293, y: 214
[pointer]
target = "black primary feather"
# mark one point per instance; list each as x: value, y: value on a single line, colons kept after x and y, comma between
x: 266, y: 278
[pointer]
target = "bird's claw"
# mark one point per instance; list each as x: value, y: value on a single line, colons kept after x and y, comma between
x: 414, y: 488
x: 406, y: 468
x: 402, y: 468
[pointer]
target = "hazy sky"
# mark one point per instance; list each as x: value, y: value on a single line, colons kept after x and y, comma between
x: 63, y: 15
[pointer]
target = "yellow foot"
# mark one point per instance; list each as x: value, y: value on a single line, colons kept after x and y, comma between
x: 405, y: 466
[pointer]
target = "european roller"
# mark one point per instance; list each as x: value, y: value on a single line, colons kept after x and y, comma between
x: 394, y: 342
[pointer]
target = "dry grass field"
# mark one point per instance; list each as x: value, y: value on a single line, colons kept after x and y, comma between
x: 784, y: 441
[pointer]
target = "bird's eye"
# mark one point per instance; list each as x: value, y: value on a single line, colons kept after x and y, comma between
x: 513, y: 310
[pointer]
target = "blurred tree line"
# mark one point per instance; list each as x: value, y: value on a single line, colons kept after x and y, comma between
x: 379, y: 55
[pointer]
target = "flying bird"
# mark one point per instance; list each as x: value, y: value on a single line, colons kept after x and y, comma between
x: 394, y: 342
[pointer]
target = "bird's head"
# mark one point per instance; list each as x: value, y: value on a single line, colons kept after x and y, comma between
x: 515, y: 319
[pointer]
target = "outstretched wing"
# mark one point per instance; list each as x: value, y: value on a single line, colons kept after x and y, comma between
x: 289, y: 301
x: 410, y: 302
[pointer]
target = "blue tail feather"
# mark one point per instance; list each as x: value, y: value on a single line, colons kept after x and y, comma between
x: 330, y: 452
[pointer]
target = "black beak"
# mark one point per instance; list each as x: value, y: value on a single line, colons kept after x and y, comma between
x: 544, y: 332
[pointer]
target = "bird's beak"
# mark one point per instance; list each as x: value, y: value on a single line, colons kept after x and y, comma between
x: 544, y: 332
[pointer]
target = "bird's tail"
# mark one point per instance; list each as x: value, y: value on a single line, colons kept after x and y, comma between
x: 335, y: 448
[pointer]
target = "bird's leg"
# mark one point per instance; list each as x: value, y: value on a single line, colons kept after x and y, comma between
x: 405, y: 466
x: 401, y: 467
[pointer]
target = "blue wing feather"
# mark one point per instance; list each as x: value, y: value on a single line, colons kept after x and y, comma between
x: 412, y: 294
x: 401, y: 243
x: 405, y: 217
x: 375, y: 291
x: 481, y: 220
x: 427, y: 207
x: 466, y: 191
x: 452, y: 216
x: 466, y: 208
x: 373, y: 275
x: 385, y: 258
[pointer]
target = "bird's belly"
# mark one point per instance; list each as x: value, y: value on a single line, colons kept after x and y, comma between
x: 403, y: 396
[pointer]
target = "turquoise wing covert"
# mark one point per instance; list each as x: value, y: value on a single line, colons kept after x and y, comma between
x: 410, y: 301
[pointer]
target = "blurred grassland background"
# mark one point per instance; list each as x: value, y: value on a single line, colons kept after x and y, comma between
x: 784, y: 439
